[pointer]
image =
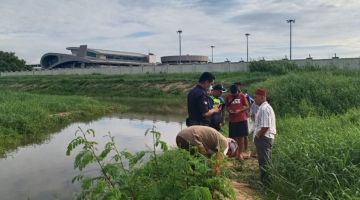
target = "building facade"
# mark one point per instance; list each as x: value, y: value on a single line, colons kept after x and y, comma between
x: 82, y: 57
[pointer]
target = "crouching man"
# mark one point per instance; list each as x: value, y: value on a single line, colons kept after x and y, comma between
x: 206, y: 141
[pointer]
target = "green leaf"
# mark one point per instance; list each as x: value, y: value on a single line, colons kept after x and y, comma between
x: 83, y: 159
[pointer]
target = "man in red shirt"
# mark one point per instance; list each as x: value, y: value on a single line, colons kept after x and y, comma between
x: 237, y: 106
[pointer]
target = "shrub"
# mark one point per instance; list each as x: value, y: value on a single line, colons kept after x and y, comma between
x: 10, y: 62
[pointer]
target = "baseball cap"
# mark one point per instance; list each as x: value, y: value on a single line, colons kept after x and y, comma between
x: 261, y: 92
x: 219, y: 87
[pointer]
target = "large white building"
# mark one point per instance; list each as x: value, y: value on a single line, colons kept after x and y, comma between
x: 82, y: 57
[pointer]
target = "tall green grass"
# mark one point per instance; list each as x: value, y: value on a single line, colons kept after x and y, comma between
x: 317, y: 150
x: 317, y: 158
x: 309, y: 94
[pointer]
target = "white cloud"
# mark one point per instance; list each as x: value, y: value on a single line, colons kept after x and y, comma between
x: 32, y: 28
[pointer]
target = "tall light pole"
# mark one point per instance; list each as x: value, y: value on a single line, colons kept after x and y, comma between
x: 247, y: 46
x: 212, y: 53
x: 290, y: 21
x: 179, y: 32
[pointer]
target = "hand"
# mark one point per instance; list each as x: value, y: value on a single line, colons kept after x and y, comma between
x: 235, y: 112
x: 216, y: 109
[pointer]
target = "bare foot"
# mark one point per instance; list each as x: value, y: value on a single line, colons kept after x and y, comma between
x: 241, y: 157
x: 246, y: 155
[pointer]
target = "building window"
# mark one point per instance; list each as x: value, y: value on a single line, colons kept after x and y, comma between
x: 126, y: 58
x: 91, y: 54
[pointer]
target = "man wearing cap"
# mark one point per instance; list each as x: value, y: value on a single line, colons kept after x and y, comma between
x: 206, y: 141
x: 217, y: 101
x: 199, y: 111
x: 264, y: 130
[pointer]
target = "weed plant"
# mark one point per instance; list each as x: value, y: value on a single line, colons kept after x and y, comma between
x: 174, y: 174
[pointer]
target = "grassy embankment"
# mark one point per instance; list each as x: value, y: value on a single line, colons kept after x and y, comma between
x: 161, y: 93
x: 34, y: 106
x: 29, y: 118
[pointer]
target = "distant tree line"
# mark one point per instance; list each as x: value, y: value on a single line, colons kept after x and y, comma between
x: 10, y: 62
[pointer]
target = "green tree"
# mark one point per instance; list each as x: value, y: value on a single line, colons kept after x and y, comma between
x: 10, y: 62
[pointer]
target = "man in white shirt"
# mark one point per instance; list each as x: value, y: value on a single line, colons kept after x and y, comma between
x: 264, y: 130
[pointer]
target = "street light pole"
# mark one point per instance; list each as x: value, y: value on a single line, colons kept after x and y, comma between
x: 212, y: 53
x: 290, y: 21
x: 247, y: 46
x: 179, y: 32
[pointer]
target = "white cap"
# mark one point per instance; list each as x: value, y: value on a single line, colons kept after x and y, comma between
x: 232, y: 145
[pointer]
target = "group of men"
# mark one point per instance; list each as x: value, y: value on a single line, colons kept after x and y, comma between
x: 206, y: 115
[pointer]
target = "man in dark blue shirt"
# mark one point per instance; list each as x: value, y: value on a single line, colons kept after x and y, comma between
x: 197, y: 100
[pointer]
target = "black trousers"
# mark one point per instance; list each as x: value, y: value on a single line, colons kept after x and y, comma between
x: 263, y: 149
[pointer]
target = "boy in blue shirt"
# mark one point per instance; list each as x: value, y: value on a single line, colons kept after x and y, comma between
x: 216, y: 100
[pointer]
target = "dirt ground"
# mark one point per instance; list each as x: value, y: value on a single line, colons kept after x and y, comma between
x: 245, y: 179
x: 243, y: 191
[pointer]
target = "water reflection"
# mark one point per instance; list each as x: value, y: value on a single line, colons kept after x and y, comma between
x: 44, y: 172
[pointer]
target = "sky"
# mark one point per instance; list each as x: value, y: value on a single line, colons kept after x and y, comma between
x: 31, y: 28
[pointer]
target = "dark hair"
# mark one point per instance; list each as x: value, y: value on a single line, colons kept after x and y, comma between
x: 206, y: 76
x: 238, y: 83
x: 233, y: 89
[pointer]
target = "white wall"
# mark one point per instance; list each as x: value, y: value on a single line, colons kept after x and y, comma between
x: 344, y: 63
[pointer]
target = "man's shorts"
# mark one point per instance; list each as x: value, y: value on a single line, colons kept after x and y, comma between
x: 238, y: 129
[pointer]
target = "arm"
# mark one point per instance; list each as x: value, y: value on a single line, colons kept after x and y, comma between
x: 261, y: 132
x: 206, y: 111
x: 245, y: 106
x: 211, y: 111
x: 202, y: 150
x: 223, y: 114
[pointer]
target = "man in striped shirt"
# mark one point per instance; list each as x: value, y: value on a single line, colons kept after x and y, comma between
x: 264, y: 130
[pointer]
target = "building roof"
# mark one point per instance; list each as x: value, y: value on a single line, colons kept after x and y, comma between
x: 107, y: 52
x: 185, y: 58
